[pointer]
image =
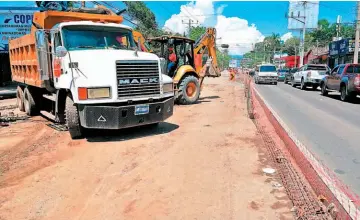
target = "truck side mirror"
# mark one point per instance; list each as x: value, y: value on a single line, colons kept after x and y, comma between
x: 60, y: 51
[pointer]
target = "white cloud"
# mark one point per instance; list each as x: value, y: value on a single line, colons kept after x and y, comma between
x: 232, y: 30
x: 286, y: 36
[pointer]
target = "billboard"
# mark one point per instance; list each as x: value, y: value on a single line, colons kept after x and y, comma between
x: 299, y: 9
x: 13, y: 25
x: 233, y: 63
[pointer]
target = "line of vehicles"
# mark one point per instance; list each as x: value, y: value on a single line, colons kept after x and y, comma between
x: 90, y: 71
x: 344, y: 78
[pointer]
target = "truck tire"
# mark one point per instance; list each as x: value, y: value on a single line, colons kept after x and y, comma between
x: 73, y: 119
x: 324, y: 90
x: 20, y: 98
x: 303, y: 84
x: 293, y: 83
x: 189, y: 90
x: 31, y: 102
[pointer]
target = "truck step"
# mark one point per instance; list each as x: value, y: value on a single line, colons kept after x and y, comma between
x: 48, y: 116
x: 50, y: 97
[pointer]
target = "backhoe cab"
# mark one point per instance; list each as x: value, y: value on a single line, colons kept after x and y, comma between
x: 187, y: 81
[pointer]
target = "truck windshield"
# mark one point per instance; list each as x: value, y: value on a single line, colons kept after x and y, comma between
x: 321, y: 68
x: 267, y: 69
x: 97, y: 37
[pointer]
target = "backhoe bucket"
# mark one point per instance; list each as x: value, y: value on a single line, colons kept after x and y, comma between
x: 210, y: 70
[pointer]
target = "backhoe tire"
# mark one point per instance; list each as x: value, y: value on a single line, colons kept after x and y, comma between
x: 20, y: 98
x: 73, y: 119
x: 189, y: 90
x: 31, y: 102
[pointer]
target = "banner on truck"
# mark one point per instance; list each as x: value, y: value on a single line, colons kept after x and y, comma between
x: 13, y: 25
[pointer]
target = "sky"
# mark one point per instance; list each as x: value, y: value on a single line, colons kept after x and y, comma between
x: 239, y: 24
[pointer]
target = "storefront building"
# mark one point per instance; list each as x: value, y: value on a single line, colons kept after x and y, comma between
x: 317, y: 55
x: 341, y: 52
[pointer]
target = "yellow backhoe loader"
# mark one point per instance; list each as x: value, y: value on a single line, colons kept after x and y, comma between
x: 195, y: 61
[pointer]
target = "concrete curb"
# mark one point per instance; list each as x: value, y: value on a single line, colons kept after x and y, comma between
x: 348, y: 201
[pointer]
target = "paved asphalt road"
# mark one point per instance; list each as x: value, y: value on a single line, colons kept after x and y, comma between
x: 329, y: 127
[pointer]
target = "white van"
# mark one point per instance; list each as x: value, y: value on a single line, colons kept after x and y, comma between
x: 266, y: 73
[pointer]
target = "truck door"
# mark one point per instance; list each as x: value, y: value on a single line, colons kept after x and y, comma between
x: 337, y: 77
x: 297, y: 75
x: 43, y: 54
x: 331, y: 78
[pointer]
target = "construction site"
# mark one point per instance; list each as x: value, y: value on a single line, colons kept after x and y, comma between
x: 101, y: 122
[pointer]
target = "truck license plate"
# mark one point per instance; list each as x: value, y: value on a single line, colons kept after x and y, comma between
x: 141, y: 109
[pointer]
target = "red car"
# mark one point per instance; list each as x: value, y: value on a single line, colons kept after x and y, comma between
x: 344, y: 78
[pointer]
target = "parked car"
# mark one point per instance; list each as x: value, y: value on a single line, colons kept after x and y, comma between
x: 310, y: 75
x: 281, y: 74
x: 344, y: 78
x: 289, y: 74
x: 266, y: 73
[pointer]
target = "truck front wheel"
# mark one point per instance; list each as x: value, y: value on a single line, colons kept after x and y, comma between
x: 189, y: 90
x: 73, y: 119
x: 31, y: 102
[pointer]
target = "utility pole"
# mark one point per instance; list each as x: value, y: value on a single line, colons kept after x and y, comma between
x: 189, y: 23
x: 303, y: 38
x: 356, y: 49
x: 302, y: 41
x: 264, y: 53
x: 338, y: 24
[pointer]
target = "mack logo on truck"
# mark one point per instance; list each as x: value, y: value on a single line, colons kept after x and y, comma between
x: 138, y: 81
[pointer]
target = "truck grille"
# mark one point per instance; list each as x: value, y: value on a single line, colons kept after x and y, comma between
x: 137, y: 78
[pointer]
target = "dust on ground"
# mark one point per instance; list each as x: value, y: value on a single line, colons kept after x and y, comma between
x: 204, y: 162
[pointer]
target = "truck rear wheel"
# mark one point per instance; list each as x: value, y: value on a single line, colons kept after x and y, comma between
x: 189, y: 90
x: 30, y: 102
x: 73, y: 119
x: 20, y: 98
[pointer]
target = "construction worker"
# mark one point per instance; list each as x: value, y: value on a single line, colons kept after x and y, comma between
x: 232, y: 75
x: 172, y: 60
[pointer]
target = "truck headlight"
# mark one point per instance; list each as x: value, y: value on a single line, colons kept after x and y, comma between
x: 168, y: 88
x: 98, y: 93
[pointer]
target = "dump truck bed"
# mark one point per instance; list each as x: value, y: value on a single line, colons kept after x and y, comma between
x: 23, y: 52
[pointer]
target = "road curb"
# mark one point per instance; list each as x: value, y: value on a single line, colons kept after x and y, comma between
x: 323, y: 181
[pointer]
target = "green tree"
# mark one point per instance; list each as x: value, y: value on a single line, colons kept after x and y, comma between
x: 196, y: 32
x: 290, y: 44
x: 145, y: 18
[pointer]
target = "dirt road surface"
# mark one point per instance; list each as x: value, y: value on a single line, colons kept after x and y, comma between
x: 205, y: 162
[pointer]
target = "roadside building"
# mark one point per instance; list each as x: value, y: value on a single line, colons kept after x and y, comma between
x: 341, y: 52
x: 291, y: 61
x: 317, y: 55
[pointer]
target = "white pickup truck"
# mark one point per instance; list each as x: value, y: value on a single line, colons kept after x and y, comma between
x: 310, y: 75
x: 266, y: 73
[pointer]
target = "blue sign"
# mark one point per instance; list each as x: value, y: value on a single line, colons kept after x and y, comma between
x: 13, y: 25
x: 343, y: 46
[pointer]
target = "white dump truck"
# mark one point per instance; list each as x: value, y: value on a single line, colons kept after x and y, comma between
x: 88, y: 72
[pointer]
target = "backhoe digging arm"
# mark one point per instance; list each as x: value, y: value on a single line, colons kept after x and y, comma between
x: 206, y: 44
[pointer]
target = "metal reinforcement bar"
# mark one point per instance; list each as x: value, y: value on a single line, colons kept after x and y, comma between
x: 338, y: 200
